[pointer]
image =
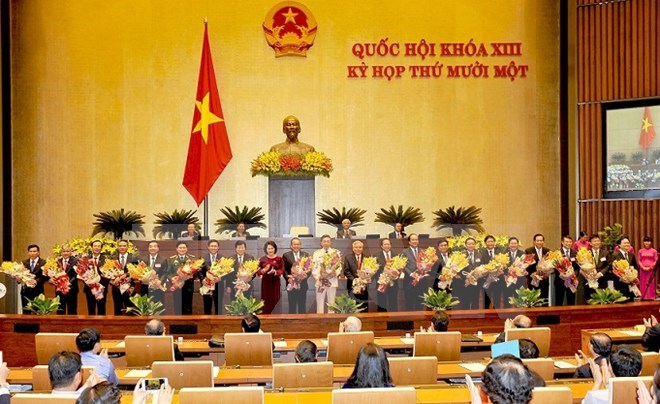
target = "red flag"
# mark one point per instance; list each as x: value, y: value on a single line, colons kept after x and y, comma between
x: 209, y: 151
x: 648, y: 130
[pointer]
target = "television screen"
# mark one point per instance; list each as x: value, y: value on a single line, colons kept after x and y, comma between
x: 631, y: 149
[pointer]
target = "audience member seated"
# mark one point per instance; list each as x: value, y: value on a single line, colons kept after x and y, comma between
x: 651, y: 337
x: 600, y: 347
x: 65, y: 373
x: 371, y: 369
x: 505, y: 380
x: 518, y: 321
x: 4, y: 386
x: 528, y: 349
x: 624, y: 362
x: 156, y: 327
x: 89, y: 345
x: 649, y: 397
x: 351, y: 324
x: 439, y: 323
x: 251, y: 324
x: 306, y: 352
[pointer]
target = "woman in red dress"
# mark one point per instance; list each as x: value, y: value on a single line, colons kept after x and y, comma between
x: 271, y: 268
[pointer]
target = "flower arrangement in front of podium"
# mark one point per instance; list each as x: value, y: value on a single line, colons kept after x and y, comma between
x: 274, y: 163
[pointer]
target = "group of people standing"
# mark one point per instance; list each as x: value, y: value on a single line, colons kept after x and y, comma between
x: 274, y: 267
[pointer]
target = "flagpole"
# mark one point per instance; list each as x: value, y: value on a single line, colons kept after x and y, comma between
x: 206, y: 215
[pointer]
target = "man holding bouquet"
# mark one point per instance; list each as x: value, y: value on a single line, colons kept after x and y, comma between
x: 326, y: 269
x: 560, y: 286
x: 352, y: 264
x: 539, y: 251
x: 214, y: 300
x: 182, y: 296
x: 297, y: 297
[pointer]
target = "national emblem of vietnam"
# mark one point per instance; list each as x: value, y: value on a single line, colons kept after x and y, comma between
x: 290, y: 29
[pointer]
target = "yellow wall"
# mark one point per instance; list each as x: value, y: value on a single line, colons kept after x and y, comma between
x: 103, y: 95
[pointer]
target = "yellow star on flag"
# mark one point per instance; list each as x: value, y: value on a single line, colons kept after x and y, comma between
x: 290, y: 16
x: 646, y: 124
x: 207, y: 118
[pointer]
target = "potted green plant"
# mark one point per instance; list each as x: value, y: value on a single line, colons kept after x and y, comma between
x: 42, y: 305
x: 606, y: 296
x: 459, y: 220
x: 242, y: 306
x: 251, y: 217
x: 345, y: 304
x: 611, y: 235
x: 334, y: 217
x: 394, y: 215
x: 145, y: 306
x: 118, y: 223
x: 171, y: 224
x: 525, y: 297
x: 440, y: 300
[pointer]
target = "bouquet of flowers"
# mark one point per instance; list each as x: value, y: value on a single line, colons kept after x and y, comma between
x: 329, y: 268
x: 145, y: 274
x: 17, y: 271
x: 90, y: 276
x: 53, y: 269
x: 588, y: 267
x: 113, y: 271
x: 495, y: 268
x: 567, y: 273
x: 454, y: 265
x: 219, y: 268
x: 299, y: 273
x: 244, y: 276
x: 425, y: 260
x: 185, y: 271
x: 365, y: 273
x: 546, y: 266
x: 391, y: 272
x: 627, y: 275
x: 518, y: 268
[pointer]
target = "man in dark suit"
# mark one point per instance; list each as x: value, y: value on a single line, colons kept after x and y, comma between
x: 122, y: 301
x: 97, y: 260
x: 387, y: 301
x: 494, y: 292
x: 513, y: 252
x: 353, y: 263
x: 468, y: 295
x: 413, y: 293
x: 69, y: 301
x: 560, y: 289
x: 539, y: 251
x: 297, y: 297
x: 398, y: 232
x: 214, y: 300
x: 602, y: 261
x: 239, y: 258
x: 35, y: 265
x: 156, y: 262
x: 600, y: 348
x: 624, y: 253
x: 182, y: 297
x: 345, y: 231
x: 443, y: 257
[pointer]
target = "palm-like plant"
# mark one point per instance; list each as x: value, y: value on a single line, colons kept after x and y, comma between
x: 334, y: 217
x: 394, y: 215
x: 175, y: 222
x: 459, y: 220
x: 118, y: 223
x: 251, y: 217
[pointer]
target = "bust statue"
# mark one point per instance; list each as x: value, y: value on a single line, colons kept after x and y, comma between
x: 291, y: 128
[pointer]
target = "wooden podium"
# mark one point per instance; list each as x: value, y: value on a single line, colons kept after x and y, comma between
x: 291, y: 202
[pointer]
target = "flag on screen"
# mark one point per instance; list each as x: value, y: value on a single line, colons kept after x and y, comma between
x: 209, y: 151
x: 648, y: 130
